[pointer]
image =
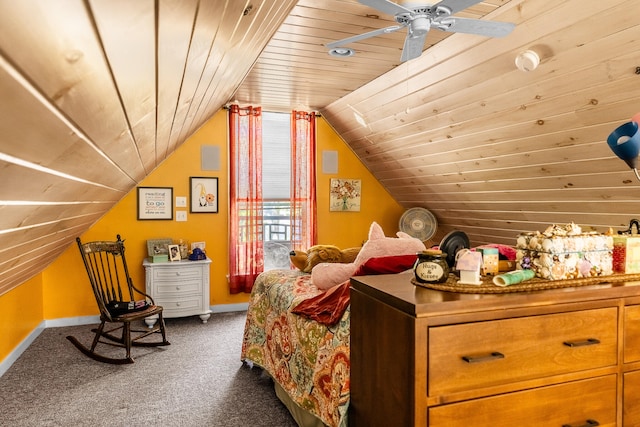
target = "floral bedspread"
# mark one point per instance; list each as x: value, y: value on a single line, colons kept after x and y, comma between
x: 309, y: 360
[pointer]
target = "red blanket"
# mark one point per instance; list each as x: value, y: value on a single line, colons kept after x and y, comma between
x: 328, y: 307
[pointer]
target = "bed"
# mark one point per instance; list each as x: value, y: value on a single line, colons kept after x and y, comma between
x: 300, y: 336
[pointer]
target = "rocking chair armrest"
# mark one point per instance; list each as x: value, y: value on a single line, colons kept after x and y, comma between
x: 138, y: 291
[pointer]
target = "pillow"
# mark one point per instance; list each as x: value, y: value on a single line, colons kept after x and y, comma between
x: 118, y: 308
x: 386, y: 265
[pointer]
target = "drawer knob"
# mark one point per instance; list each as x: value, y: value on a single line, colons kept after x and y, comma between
x: 590, y: 341
x: 177, y: 304
x: 177, y: 288
x: 589, y: 423
x: 485, y: 358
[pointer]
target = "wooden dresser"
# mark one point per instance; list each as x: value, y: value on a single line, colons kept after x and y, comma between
x: 566, y: 357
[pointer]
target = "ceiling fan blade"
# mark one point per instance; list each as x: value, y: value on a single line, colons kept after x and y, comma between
x: 364, y: 36
x: 454, y: 5
x: 413, y: 46
x: 473, y: 26
x: 385, y: 6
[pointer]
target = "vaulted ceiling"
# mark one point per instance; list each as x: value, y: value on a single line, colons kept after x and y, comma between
x: 96, y: 93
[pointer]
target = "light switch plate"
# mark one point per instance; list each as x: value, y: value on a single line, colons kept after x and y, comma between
x: 181, y: 215
x: 181, y: 202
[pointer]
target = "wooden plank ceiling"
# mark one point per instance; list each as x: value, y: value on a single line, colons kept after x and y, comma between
x: 96, y: 93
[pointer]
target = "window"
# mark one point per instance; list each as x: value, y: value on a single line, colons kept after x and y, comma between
x: 276, y: 189
x: 272, y: 195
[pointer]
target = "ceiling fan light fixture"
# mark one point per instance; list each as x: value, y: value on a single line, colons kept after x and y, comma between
x: 342, y: 52
x: 420, y: 26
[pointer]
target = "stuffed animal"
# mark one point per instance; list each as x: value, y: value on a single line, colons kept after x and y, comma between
x: 326, y: 275
x: 305, y: 261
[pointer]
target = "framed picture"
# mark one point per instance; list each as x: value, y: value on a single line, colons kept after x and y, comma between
x: 200, y: 245
x: 344, y: 195
x: 174, y: 253
x: 204, y: 194
x: 158, y: 246
x: 155, y: 203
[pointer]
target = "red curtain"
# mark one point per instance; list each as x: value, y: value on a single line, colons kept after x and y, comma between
x: 303, y: 180
x: 246, y: 256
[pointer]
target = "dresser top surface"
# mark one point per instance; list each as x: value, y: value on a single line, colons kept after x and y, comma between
x: 398, y: 291
x: 148, y: 263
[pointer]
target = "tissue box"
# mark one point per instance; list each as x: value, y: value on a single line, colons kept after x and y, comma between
x: 626, y: 254
x: 560, y: 257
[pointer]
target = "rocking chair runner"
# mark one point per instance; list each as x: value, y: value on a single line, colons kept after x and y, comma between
x: 116, y: 297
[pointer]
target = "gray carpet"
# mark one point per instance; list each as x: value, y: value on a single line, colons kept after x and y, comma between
x: 198, y: 380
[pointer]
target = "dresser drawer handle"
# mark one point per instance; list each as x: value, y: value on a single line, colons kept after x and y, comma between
x: 486, y: 358
x: 590, y: 423
x: 590, y: 341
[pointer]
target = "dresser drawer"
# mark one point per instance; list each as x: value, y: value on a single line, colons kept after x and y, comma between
x: 170, y: 274
x: 178, y: 307
x: 631, y: 398
x: 468, y: 356
x: 631, y: 333
x: 570, y: 404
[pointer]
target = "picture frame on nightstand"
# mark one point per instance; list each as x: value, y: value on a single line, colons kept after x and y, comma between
x: 174, y: 253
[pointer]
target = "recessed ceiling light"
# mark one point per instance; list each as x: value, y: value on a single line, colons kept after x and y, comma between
x: 342, y: 52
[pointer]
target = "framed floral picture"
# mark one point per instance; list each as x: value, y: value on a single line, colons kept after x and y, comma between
x: 345, y: 195
x: 204, y: 194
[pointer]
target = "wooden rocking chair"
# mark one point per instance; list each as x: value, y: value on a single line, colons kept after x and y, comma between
x: 116, y: 297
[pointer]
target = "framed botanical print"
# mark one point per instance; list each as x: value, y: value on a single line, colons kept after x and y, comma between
x: 344, y: 195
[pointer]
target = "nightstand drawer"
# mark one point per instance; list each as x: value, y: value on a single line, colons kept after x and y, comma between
x: 576, y: 403
x: 170, y: 274
x: 482, y: 354
x: 178, y: 307
x: 181, y: 288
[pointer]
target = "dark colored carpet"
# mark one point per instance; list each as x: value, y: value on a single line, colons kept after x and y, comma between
x: 198, y: 380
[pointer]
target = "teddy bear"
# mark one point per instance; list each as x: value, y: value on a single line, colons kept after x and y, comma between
x: 305, y: 261
x: 327, y: 275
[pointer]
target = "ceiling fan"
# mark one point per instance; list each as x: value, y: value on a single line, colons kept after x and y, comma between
x: 419, y: 19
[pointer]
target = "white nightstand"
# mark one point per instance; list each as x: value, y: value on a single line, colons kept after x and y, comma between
x: 180, y: 287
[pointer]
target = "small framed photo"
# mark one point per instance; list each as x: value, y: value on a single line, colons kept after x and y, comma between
x: 158, y: 246
x: 200, y: 245
x: 204, y: 194
x: 155, y: 203
x: 174, y: 253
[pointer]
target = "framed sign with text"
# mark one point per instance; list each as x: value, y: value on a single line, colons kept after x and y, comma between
x: 155, y: 203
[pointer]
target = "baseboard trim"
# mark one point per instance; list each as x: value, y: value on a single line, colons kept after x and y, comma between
x: 228, y: 308
x: 15, y: 354
x: 86, y: 320
x: 72, y: 321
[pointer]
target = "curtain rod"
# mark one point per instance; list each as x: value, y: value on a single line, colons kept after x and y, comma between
x: 317, y: 114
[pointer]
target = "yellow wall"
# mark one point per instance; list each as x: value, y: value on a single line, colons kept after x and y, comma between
x: 64, y: 288
x: 20, y: 314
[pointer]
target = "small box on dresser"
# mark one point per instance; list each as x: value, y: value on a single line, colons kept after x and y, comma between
x: 560, y: 257
x: 181, y: 288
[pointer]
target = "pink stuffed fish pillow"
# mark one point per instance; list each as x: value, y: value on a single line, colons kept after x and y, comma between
x: 327, y: 275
